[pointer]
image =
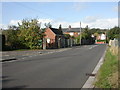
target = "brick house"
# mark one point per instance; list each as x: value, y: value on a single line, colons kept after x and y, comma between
x: 54, y: 38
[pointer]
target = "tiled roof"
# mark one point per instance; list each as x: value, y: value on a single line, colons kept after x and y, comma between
x: 71, y: 30
x: 56, y: 31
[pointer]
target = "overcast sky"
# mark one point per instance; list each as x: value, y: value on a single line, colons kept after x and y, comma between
x: 94, y: 14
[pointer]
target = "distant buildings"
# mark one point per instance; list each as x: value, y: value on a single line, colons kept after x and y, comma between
x: 101, y: 39
x: 71, y: 31
x: 55, y: 37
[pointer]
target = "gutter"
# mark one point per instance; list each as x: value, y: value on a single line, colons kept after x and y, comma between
x: 92, y: 78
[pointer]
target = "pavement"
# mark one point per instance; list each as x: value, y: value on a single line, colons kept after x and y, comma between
x: 16, y: 55
x: 66, y: 69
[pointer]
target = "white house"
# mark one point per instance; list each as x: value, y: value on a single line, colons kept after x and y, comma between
x: 103, y: 37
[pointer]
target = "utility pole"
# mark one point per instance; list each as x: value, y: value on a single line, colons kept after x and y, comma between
x: 80, y: 33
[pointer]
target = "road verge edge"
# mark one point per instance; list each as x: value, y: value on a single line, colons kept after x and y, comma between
x: 91, y: 79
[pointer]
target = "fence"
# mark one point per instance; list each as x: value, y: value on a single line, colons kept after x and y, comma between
x: 62, y: 43
x: 114, y: 44
x: 119, y: 42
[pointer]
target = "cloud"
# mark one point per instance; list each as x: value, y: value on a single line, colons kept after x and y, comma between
x: 93, y: 23
x: 54, y: 23
x: 90, y: 19
x: 15, y: 22
x: 3, y: 26
x: 43, y: 21
x: 78, y: 6
x: 104, y: 23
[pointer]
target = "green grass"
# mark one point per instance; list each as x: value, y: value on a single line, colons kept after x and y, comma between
x: 106, y: 71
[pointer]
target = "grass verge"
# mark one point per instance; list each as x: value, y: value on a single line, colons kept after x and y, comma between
x: 107, y: 76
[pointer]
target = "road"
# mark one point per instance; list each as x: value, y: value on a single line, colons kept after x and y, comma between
x: 65, y: 69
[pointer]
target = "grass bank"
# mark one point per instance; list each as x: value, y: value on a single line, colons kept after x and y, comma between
x: 107, y: 76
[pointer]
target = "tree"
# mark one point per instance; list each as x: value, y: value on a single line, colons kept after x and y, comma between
x: 95, y: 30
x: 96, y: 34
x: 48, y: 25
x: 86, y: 33
x: 11, y: 36
x: 3, y: 42
x: 113, y: 33
x: 67, y: 36
x: 30, y: 33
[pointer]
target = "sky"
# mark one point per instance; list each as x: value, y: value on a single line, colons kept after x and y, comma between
x: 102, y: 15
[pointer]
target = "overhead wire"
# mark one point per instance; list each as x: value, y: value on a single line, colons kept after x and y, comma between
x: 35, y: 10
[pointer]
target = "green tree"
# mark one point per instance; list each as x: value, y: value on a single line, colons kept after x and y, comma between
x: 67, y: 36
x: 30, y: 33
x: 113, y: 33
x: 86, y: 33
x: 11, y: 36
x: 95, y: 30
x: 48, y: 25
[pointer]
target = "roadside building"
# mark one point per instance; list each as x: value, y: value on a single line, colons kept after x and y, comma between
x: 54, y: 38
x: 74, y: 32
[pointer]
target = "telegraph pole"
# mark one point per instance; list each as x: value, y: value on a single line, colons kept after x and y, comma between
x: 80, y: 33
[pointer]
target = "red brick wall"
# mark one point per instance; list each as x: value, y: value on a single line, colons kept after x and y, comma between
x: 49, y: 34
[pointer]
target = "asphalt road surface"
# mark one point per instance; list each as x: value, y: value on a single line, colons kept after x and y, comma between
x: 65, y: 69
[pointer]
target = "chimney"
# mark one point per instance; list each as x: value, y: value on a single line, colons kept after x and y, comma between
x: 60, y: 28
x: 69, y: 27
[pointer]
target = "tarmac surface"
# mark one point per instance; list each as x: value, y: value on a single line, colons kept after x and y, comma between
x: 62, y: 69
